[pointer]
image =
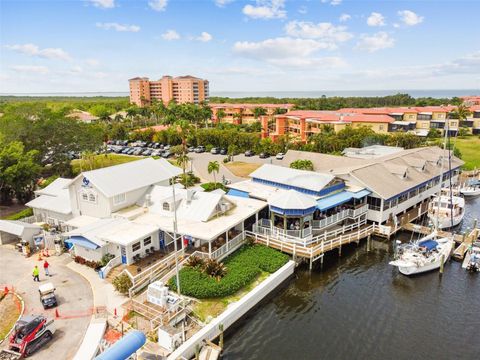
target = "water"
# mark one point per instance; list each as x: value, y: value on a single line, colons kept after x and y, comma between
x: 435, y: 93
x: 359, y: 307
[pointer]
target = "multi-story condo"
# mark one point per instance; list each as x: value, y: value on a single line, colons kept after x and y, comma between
x: 246, y: 113
x: 181, y: 89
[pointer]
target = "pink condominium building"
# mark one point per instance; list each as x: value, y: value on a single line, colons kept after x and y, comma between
x: 182, y: 89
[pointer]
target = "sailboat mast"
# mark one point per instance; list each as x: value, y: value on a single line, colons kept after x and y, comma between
x: 441, y: 177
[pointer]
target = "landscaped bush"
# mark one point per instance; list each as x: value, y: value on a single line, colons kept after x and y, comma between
x: 242, y: 268
x: 122, y: 283
x: 21, y: 214
x: 210, y: 186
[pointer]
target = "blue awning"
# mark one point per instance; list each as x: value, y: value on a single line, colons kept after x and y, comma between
x: 239, y: 193
x: 360, y: 194
x: 429, y: 244
x: 83, y: 242
x: 333, y: 200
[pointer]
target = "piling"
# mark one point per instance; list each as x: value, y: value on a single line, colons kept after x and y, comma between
x: 442, y: 259
x: 340, y: 250
x: 368, y: 243
x: 197, y: 352
x: 220, y: 342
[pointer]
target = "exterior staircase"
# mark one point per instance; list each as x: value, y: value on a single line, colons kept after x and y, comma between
x: 115, y: 272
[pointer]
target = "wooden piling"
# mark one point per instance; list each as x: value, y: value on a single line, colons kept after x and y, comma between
x: 340, y: 250
x: 197, y: 352
x: 442, y: 260
x: 220, y: 342
x: 368, y: 243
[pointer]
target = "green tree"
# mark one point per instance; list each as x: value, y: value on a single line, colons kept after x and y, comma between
x: 213, y: 167
x: 221, y: 115
x: 302, y: 165
x: 259, y: 111
x: 18, y: 172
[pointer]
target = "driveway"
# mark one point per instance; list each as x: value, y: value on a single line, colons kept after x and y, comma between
x: 74, y: 296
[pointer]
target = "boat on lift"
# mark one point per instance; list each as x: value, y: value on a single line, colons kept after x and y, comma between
x: 472, y: 258
x: 472, y: 188
x: 446, y: 211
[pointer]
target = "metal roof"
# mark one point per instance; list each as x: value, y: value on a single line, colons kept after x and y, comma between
x: 119, y: 179
x: 303, y: 179
x: 291, y: 199
x: 59, y: 203
x: 16, y: 227
x: 55, y: 188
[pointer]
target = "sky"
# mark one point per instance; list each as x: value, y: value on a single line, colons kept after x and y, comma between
x: 255, y: 45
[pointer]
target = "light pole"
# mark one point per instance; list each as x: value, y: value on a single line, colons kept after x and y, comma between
x: 175, y: 236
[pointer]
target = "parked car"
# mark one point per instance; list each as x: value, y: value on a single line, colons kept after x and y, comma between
x: 191, y: 149
x: 124, y: 142
x: 146, y: 152
x: 249, y: 153
x: 137, y: 151
x: 215, y: 151
x: 200, y: 149
x: 47, y: 295
x: 223, y: 151
x: 166, y: 147
x: 156, y: 153
x: 125, y: 150
x: 131, y: 151
x: 167, y: 154
x: 264, y: 155
x: 279, y: 156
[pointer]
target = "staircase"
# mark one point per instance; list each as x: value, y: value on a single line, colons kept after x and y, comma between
x: 115, y: 272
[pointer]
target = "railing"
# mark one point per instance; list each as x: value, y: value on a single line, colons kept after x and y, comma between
x: 342, y: 215
x: 29, y: 219
x: 229, y: 247
x: 103, y: 273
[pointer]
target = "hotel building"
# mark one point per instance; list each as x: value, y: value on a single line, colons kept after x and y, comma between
x: 245, y: 113
x: 181, y: 89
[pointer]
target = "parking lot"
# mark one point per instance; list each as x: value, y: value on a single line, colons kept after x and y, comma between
x: 73, y: 292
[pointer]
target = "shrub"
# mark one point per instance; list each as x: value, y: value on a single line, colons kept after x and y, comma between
x: 194, y: 261
x: 242, y: 268
x: 122, y: 283
x: 213, y: 268
x: 21, y: 214
x: 212, y: 186
x: 106, y: 258
x: 302, y: 165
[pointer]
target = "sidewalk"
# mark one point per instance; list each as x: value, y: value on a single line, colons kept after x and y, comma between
x: 104, y: 294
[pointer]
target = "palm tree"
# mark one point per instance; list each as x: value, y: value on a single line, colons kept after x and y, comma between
x: 238, y: 117
x: 461, y: 112
x: 221, y: 115
x: 184, y: 128
x: 214, y: 167
x: 259, y: 111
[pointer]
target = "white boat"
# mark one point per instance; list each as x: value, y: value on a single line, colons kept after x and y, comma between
x: 446, y: 211
x: 472, y: 258
x: 470, y: 191
x: 424, y: 255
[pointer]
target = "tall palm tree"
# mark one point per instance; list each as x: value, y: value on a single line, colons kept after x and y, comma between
x: 461, y: 112
x: 221, y: 115
x: 259, y: 111
x: 184, y: 128
x: 214, y: 167
x: 238, y: 117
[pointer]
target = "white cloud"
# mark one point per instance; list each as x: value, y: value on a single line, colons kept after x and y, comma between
x: 376, y: 19
x: 222, y: 3
x: 409, y: 18
x: 204, y: 37
x: 375, y: 42
x: 344, y: 17
x: 287, y: 52
x: 158, y: 5
x: 324, y: 31
x: 302, y: 10
x: 332, y: 2
x: 170, y: 35
x: 266, y: 9
x: 76, y: 70
x: 104, y: 4
x: 34, y: 50
x: 118, y: 27
x: 92, y: 62
x: 30, y: 69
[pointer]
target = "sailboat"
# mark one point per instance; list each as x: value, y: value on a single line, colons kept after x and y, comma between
x: 429, y: 252
x: 446, y: 211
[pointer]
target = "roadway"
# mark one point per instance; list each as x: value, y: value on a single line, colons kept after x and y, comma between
x: 74, y: 296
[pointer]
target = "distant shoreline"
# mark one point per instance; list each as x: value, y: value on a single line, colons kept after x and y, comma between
x: 449, y: 93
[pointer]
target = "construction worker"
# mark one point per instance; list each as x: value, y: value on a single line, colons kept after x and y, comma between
x: 45, y: 267
x: 36, y: 274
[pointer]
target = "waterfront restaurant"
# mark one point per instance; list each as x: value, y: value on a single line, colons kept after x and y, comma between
x: 303, y: 204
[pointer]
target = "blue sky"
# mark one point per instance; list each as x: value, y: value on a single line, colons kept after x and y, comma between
x: 256, y: 45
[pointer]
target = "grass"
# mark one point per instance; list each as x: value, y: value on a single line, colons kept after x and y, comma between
x: 101, y: 161
x: 9, y: 313
x: 470, y: 148
x: 21, y: 214
x: 242, y: 169
x: 211, y: 308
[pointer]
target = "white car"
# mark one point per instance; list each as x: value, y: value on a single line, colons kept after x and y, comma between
x: 279, y: 156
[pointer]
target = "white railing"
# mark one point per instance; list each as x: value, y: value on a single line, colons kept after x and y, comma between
x: 229, y: 247
x: 342, y: 215
x: 103, y: 273
x: 152, y: 270
x: 29, y: 219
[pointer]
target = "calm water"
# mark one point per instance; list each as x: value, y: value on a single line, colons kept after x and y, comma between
x: 359, y: 307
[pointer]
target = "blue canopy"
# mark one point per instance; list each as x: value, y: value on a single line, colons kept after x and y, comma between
x: 239, y: 193
x: 83, y: 242
x: 340, y: 198
x: 429, y: 244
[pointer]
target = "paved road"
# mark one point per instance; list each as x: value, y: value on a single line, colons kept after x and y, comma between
x: 74, y: 296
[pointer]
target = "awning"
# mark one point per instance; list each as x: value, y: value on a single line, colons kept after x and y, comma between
x: 235, y: 192
x: 340, y: 198
x: 428, y: 244
x: 83, y: 242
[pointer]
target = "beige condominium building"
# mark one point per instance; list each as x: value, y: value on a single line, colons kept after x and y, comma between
x: 181, y: 89
x: 246, y: 113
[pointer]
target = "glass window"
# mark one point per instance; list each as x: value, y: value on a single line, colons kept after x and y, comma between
x: 147, y: 241
x: 120, y: 198
x: 92, y: 197
x: 84, y: 196
x: 166, y: 206
x: 136, y: 246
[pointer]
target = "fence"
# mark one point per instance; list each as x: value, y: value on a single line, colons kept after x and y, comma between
x: 103, y: 273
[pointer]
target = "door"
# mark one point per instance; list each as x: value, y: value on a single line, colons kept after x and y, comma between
x: 123, y: 251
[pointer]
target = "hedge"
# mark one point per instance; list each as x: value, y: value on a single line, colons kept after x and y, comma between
x: 20, y: 215
x: 242, y: 268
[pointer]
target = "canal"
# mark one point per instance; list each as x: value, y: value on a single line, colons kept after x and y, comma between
x: 359, y: 307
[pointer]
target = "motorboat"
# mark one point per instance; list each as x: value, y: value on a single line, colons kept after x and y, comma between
x: 472, y: 188
x: 446, y: 211
x: 472, y: 258
x: 424, y: 255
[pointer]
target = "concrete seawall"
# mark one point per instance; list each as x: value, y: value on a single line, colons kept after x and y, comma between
x: 234, y: 312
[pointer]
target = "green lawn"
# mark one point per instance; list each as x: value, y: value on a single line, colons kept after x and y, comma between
x: 470, y: 149
x: 100, y: 161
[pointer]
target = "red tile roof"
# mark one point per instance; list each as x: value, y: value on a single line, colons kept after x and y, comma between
x: 251, y: 106
x: 339, y: 116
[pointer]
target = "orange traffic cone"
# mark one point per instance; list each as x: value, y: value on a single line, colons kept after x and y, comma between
x: 39, y: 257
x: 115, y: 313
x: 57, y: 315
x: 5, y: 290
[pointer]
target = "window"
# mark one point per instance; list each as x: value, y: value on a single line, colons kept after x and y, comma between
x: 120, y: 198
x: 166, y: 206
x: 380, y: 127
x: 136, y: 246
x: 92, y: 197
x: 84, y: 196
x: 147, y: 241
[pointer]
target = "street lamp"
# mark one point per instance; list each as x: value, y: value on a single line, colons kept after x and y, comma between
x: 175, y: 236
